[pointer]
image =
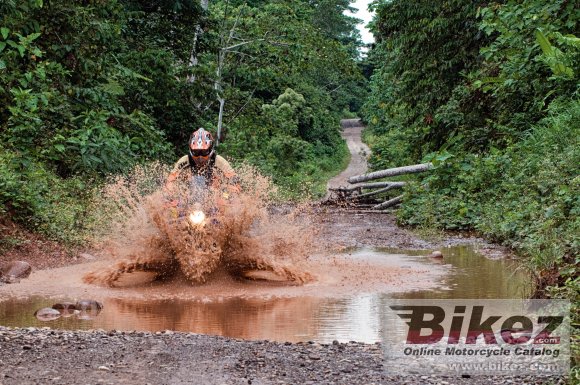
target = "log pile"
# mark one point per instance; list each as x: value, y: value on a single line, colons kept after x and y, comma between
x: 373, y: 195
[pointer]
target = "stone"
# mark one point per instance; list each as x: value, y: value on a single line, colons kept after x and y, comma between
x: 87, y: 256
x: 437, y: 254
x: 15, y: 271
x: 47, y: 314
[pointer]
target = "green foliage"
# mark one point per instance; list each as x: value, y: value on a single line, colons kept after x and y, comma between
x: 476, y: 75
x: 283, y: 143
x: 41, y: 200
x: 63, y: 90
x: 526, y: 196
x: 496, y: 85
x: 423, y: 51
x: 89, y: 89
x: 287, y: 80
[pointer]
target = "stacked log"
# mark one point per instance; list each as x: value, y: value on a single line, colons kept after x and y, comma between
x: 373, y: 197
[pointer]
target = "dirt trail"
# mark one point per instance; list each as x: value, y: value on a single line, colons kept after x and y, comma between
x: 351, y: 132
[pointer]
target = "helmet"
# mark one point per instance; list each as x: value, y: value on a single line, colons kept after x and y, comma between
x: 201, y: 146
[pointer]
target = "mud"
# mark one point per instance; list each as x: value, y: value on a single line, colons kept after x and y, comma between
x: 333, y: 275
x: 19, y: 244
x: 197, y: 230
x: 306, y: 246
x: 342, y: 229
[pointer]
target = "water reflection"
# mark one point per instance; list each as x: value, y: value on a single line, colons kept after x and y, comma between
x: 288, y: 319
x: 474, y: 276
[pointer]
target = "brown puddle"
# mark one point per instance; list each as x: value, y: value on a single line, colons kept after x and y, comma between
x: 343, y: 309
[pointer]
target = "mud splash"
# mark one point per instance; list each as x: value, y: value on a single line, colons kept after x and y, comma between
x: 145, y: 227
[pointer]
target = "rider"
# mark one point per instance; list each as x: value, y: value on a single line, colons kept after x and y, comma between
x: 203, y: 160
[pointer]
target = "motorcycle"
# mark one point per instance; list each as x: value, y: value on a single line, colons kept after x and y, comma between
x: 190, y: 206
x: 192, y: 227
x: 199, y: 229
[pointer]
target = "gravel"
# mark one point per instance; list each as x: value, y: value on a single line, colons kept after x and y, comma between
x: 46, y: 356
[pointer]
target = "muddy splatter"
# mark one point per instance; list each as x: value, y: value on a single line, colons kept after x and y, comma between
x: 195, y: 228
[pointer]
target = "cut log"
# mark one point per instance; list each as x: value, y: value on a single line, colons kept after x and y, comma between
x: 371, y: 211
x: 389, y: 203
x: 367, y: 186
x: 380, y: 184
x: 379, y: 191
x: 391, y: 172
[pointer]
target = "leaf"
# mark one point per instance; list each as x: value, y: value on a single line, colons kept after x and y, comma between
x: 114, y: 88
x: 552, y: 55
x: 4, y: 31
x: 2, y: 46
x: 2, y: 65
x: 33, y: 36
x: 544, y: 43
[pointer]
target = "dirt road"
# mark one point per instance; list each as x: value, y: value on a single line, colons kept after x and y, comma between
x: 359, y: 151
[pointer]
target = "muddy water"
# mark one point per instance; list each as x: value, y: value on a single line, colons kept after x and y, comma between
x: 300, y: 317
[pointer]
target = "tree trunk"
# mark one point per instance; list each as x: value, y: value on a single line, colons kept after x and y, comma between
x: 391, y: 172
x: 193, y: 60
x: 380, y: 184
x: 389, y: 203
x: 367, y: 186
x: 219, y: 93
x: 379, y: 191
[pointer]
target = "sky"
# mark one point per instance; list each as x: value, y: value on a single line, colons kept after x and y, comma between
x: 363, y: 14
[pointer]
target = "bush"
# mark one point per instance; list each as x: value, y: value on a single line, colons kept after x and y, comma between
x: 36, y: 197
x: 527, y: 196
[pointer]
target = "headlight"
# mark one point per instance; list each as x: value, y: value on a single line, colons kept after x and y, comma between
x: 197, y: 217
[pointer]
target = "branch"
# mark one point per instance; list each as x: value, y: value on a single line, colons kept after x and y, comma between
x: 241, y: 44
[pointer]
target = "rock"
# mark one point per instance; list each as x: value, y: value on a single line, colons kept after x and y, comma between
x: 88, y: 305
x: 436, y: 254
x: 66, y: 309
x: 15, y: 271
x: 88, y: 309
x: 47, y: 314
x: 87, y: 256
x: 314, y: 356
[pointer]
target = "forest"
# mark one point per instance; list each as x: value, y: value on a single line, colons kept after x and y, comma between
x: 91, y: 88
x: 487, y: 91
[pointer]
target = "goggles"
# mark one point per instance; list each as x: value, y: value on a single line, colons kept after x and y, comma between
x: 201, y: 152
